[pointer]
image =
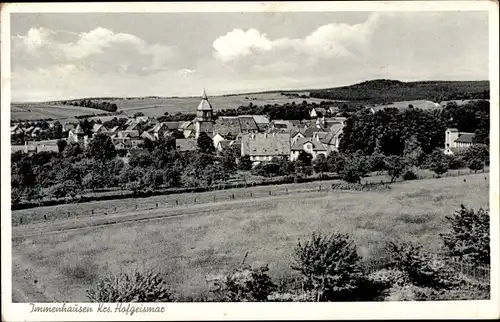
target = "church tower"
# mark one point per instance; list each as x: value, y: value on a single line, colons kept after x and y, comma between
x: 204, y: 121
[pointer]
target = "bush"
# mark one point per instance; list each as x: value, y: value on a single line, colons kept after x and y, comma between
x: 395, y: 166
x: 469, y: 235
x: 354, y: 169
x: 135, y: 287
x: 420, y: 268
x: 410, y: 293
x: 243, y: 285
x: 409, y: 175
x: 329, y: 265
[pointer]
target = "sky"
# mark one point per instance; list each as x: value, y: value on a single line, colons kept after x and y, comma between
x: 73, y: 55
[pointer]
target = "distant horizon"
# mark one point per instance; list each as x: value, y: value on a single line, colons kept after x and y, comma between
x: 243, y: 93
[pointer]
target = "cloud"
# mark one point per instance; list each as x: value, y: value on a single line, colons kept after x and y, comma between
x: 100, y: 48
x: 328, y: 41
x: 34, y: 38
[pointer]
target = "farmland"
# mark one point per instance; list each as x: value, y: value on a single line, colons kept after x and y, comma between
x: 37, y: 111
x: 158, y: 106
x: 190, y: 243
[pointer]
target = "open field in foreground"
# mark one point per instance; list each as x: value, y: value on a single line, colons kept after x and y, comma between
x: 215, y: 237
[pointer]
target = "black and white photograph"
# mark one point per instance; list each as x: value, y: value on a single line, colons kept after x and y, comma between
x: 267, y: 152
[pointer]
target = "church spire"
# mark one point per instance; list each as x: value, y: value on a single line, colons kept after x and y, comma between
x: 204, y: 95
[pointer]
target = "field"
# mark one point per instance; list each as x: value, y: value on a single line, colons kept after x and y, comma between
x: 191, y: 243
x: 158, y: 106
x: 37, y: 111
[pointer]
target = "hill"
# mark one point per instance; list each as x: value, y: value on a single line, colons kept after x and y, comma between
x: 40, y: 111
x: 388, y: 91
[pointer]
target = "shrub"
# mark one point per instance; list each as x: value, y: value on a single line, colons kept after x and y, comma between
x: 249, y: 284
x: 469, y: 235
x: 395, y: 166
x: 354, y: 169
x: 329, y: 265
x: 245, y: 163
x: 134, y: 287
x: 410, y: 292
x: 292, y: 297
x: 409, y: 175
x: 420, y: 268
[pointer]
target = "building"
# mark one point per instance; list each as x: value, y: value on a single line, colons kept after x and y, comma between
x: 456, y: 141
x: 77, y: 135
x: 317, y: 112
x: 310, y: 145
x: 266, y: 146
x: 204, y: 121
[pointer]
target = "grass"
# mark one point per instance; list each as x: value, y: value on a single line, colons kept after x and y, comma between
x: 37, y: 111
x: 158, y: 106
x: 191, y: 248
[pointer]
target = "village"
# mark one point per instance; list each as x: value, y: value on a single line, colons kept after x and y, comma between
x: 254, y: 135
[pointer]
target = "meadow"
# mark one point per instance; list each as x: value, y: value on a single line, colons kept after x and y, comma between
x: 38, y: 111
x: 193, y: 247
x: 158, y: 106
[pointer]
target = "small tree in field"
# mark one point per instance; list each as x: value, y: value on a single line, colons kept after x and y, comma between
x: 395, y: 166
x: 469, y: 235
x: 438, y: 163
x: 329, y: 265
x: 354, y: 169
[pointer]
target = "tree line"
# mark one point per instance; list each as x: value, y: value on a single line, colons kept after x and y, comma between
x: 100, y: 105
x: 394, y: 91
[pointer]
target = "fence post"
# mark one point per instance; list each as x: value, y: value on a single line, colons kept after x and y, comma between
x: 251, y: 194
x: 177, y: 202
x: 270, y: 192
x: 214, y: 198
x: 156, y: 206
x: 92, y: 211
x: 319, y: 187
x: 194, y: 199
x: 45, y: 217
x: 232, y: 195
x: 286, y: 190
x: 68, y: 214
x: 21, y: 220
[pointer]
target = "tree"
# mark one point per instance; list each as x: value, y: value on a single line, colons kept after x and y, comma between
x: 304, y: 159
x: 61, y: 144
x: 138, y: 114
x: 336, y: 161
x: 469, y: 235
x: 205, y: 144
x: 228, y: 160
x: 354, y: 169
x: 101, y: 148
x: 413, y: 154
x: 477, y: 156
x: 395, y: 166
x: 320, y: 164
x: 245, y: 163
x: 438, y: 163
x: 329, y: 265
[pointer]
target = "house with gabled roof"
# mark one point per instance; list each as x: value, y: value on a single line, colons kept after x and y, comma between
x: 310, y: 145
x: 456, y: 141
x: 265, y: 146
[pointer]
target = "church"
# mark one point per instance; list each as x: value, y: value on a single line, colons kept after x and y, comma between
x: 202, y: 123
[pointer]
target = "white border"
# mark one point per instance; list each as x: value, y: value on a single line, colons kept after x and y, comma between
x: 245, y: 311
